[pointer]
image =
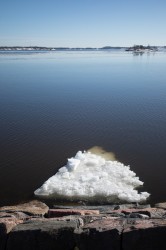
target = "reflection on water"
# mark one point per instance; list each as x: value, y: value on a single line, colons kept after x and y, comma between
x: 54, y: 104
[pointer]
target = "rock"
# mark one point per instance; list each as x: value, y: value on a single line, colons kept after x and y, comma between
x: 154, y: 213
x: 151, y: 212
x: 144, y: 235
x: 137, y: 215
x: 12, y: 214
x: 9, y: 223
x: 65, y: 212
x: 100, y: 234
x: 132, y: 205
x: 76, y: 228
x: 32, y: 208
x: 144, y: 216
x: 143, y: 206
x: 6, y: 225
x: 103, y: 208
x: 122, y: 215
x: 6, y: 215
x: 21, y: 215
x: 158, y: 213
x: 80, y: 220
x: 87, y: 219
x: 161, y: 205
x: 43, y: 234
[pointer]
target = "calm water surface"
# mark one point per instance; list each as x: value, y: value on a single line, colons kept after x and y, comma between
x: 54, y: 104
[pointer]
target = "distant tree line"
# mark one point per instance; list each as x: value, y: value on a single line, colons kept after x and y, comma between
x: 141, y: 47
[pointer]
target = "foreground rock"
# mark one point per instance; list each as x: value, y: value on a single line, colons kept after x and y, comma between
x: 42, y: 235
x: 33, y: 226
x: 32, y: 208
x: 141, y: 213
x: 161, y: 205
x: 144, y: 235
x: 65, y: 212
x: 104, y: 233
x: 6, y: 225
x: 105, y: 208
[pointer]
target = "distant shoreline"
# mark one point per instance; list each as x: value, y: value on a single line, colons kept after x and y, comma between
x: 36, y: 48
x: 135, y: 48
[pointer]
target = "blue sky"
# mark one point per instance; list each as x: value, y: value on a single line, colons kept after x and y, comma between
x: 82, y: 23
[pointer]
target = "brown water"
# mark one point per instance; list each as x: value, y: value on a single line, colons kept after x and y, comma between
x: 54, y: 104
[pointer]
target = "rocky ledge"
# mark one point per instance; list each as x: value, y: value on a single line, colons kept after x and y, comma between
x: 33, y: 226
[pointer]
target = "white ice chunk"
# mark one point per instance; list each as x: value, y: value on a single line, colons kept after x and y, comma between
x: 90, y: 177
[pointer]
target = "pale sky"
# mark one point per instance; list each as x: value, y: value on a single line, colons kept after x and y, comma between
x: 82, y: 23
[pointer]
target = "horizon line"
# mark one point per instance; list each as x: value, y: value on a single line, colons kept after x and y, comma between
x: 77, y: 47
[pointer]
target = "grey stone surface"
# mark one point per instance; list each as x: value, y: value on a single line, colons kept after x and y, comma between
x: 14, y: 214
x: 144, y: 235
x: 100, y: 208
x: 42, y: 235
x: 34, y: 207
x: 104, y: 234
x: 105, y: 208
x: 137, y: 215
x: 118, y: 227
x: 64, y: 212
x: 151, y: 212
x: 6, y: 225
x: 161, y: 205
x: 133, y: 205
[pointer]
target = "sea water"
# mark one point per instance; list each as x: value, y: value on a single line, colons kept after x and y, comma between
x: 54, y: 104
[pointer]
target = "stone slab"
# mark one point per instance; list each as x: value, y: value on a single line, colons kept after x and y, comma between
x: 103, y: 234
x: 144, y: 235
x: 42, y: 235
x: 65, y: 212
x: 34, y: 207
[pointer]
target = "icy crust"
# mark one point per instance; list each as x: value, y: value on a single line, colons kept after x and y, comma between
x: 90, y: 177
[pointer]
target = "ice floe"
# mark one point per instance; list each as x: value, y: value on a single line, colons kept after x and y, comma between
x: 90, y: 177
